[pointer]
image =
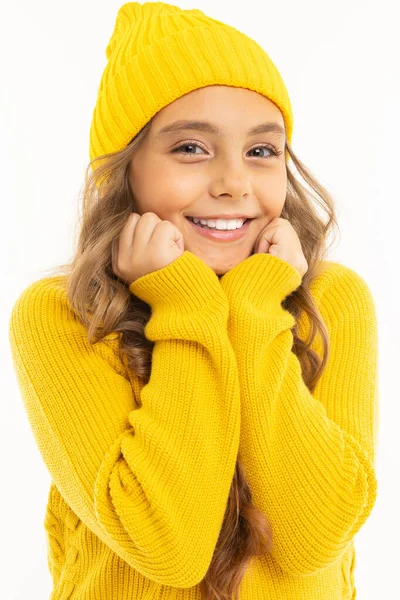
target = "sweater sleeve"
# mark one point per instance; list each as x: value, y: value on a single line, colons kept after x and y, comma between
x: 309, y: 458
x: 151, y: 482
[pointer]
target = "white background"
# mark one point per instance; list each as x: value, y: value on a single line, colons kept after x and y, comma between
x: 338, y: 60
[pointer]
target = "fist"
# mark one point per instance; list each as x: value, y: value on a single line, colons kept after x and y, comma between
x: 280, y: 239
x: 145, y: 244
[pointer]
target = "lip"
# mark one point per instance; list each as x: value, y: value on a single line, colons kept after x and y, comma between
x: 223, y: 216
x: 221, y: 235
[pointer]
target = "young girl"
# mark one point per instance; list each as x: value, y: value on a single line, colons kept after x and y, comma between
x: 201, y: 382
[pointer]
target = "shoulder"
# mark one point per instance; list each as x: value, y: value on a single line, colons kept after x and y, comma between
x: 42, y: 321
x: 346, y: 304
x: 45, y: 290
x: 37, y: 307
x: 342, y: 290
x: 44, y: 305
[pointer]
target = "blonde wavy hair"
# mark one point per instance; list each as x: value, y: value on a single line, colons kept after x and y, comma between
x: 107, y: 201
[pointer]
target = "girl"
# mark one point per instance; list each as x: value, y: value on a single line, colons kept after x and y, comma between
x: 200, y: 380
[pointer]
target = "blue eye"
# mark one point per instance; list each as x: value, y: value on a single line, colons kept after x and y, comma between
x: 179, y: 150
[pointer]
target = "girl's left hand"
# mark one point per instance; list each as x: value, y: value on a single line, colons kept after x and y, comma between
x: 280, y: 239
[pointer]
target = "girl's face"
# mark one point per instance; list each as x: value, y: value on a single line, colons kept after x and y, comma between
x: 230, y: 172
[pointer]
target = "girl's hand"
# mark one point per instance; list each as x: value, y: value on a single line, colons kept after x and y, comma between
x: 280, y: 239
x: 145, y: 244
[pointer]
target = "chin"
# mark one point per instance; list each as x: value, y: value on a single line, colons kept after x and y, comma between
x: 222, y: 270
x: 220, y: 264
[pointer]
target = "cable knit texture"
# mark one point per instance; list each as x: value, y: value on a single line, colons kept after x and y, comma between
x: 141, y: 474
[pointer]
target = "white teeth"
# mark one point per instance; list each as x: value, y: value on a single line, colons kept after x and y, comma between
x: 220, y: 223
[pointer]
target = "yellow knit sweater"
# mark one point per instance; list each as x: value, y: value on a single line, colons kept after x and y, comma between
x: 141, y: 474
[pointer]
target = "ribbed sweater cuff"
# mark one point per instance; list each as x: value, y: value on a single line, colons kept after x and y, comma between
x: 261, y: 279
x: 185, y: 285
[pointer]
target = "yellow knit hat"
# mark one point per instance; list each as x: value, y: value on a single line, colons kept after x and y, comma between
x: 159, y: 52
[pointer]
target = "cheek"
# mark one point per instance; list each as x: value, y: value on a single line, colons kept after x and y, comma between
x: 165, y: 190
x: 272, y: 205
x: 272, y: 194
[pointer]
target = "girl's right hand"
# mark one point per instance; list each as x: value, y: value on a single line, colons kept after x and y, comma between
x: 145, y: 244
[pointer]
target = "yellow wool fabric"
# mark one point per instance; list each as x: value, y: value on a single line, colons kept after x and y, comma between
x: 159, y: 52
x: 141, y: 474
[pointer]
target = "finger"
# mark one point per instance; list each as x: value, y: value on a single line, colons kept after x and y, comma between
x: 166, y: 232
x: 143, y: 230
x: 126, y: 235
x: 263, y: 246
x: 121, y: 244
x: 278, y: 222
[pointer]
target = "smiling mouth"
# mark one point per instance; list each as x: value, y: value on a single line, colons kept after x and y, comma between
x: 198, y: 224
x: 221, y: 235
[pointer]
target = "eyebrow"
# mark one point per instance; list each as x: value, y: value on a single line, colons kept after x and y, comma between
x: 208, y: 127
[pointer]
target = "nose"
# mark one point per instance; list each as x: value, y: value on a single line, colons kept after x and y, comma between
x: 234, y: 181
